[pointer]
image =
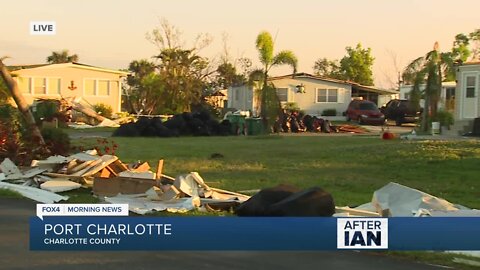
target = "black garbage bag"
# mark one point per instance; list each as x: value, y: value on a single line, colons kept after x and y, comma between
x: 177, y: 124
x: 312, y: 202
x: 308, y: 122
x: 225, y: 128
x: 288, y: 201
x: 126, y: 130
x: 258, y: 204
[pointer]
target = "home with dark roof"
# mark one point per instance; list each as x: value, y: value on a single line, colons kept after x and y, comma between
x: 312, y: 94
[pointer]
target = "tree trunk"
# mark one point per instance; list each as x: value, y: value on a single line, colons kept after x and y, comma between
x: 21, y: 104
x: 426, y: 112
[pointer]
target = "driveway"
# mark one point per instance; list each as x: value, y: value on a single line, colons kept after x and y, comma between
x: 15, y: 254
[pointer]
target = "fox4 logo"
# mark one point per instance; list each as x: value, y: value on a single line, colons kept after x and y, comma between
x: 362, y: 233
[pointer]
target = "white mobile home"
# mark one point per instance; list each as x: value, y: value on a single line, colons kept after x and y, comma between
x: 312, y: 94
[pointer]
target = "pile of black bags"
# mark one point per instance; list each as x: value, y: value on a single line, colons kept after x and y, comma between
x: 184, y: 124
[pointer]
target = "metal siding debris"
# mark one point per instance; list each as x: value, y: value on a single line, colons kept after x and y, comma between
x: 35, y: 194
x: 9, y: 168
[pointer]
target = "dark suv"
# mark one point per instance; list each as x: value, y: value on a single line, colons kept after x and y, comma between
x: 401, y: 111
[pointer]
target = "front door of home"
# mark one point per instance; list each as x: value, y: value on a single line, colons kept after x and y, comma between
x: 470, y: 96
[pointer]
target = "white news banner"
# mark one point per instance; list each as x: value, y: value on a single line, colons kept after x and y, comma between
x: 81, y: 210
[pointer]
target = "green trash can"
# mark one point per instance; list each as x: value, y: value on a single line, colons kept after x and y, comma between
x: 254, y: 126
x: 238, y: 123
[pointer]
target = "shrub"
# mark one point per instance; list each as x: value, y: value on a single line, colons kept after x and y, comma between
x: 104, y: 110
x: 291, y: 106
x: 57, y: 141
x: 10, y: 115
x: 11, y: 145
x: 46, y: 110
x: 329, y: 112
x: 106, y: 147
x: 445, y: 118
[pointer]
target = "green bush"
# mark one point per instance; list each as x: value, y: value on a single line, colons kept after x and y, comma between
x: 291, y: 106
x: 329, y: 112
x: 46, y: 110
x: 11, y: 115
x: 104, y: 110
x: 445, y: 118
x: 56, y: 140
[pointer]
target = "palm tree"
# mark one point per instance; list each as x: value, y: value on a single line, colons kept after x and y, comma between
x: 4, y: 93
x: 21, y: 103
x: 430, y: 70
x: 265, y: 46
x: 63, y: 56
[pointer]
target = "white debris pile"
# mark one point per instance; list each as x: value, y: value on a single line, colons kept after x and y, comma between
x: 185, y: 193
x: 395, y: 200
x: 144, y: 190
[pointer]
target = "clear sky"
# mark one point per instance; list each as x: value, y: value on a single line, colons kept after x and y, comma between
x: 111, y: 33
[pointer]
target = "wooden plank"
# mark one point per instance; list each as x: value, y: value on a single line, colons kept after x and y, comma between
x: 159, y: 169
x: 142, y: 175
x: 84, y: 157
x: 228, y: 192
x: 105, y: 160
x: 105, y: 173
x: 118, y: 166
x: 144, y: 167
x: 80, y: 167
x: 75, y: 178
x: 356, y: 212
x: 72, y: 164
x: 112, y: 171
x: 124, y: 185
x: 168, y: 177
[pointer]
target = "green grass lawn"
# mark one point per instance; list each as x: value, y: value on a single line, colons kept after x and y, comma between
x: 351, y: 168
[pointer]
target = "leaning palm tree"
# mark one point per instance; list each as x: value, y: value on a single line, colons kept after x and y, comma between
x: 63, y: 56
x: 269, y: 103
x: 21, y: 103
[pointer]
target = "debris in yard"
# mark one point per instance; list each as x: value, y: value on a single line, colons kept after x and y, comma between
x: 184, y: 124
x: 351, y: 129
x: 186, y: 193
x: 109, y: 177
x: 9, y: 168
x: 395, y: 200
x: 35, y: 194
x: 124, y: 185
x: 65, y: 106
x: 287, y: 200
x: 347, y: 211
x: 59, y: 185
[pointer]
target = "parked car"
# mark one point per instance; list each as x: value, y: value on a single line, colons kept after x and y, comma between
x: 365, y: 112
x: 401, y: 111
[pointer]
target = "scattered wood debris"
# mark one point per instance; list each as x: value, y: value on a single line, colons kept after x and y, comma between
x: 114, y: 181
x: 351, y: 129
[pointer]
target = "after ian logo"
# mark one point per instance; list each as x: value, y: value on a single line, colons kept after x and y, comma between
x: 362, y: 233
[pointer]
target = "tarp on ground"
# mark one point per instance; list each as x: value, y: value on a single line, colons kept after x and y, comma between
x: 402, y: 201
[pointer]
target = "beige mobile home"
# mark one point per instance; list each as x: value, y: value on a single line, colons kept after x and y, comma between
x: 93, y: 84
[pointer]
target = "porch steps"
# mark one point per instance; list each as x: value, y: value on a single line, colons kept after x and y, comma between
x: 459, y: 128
